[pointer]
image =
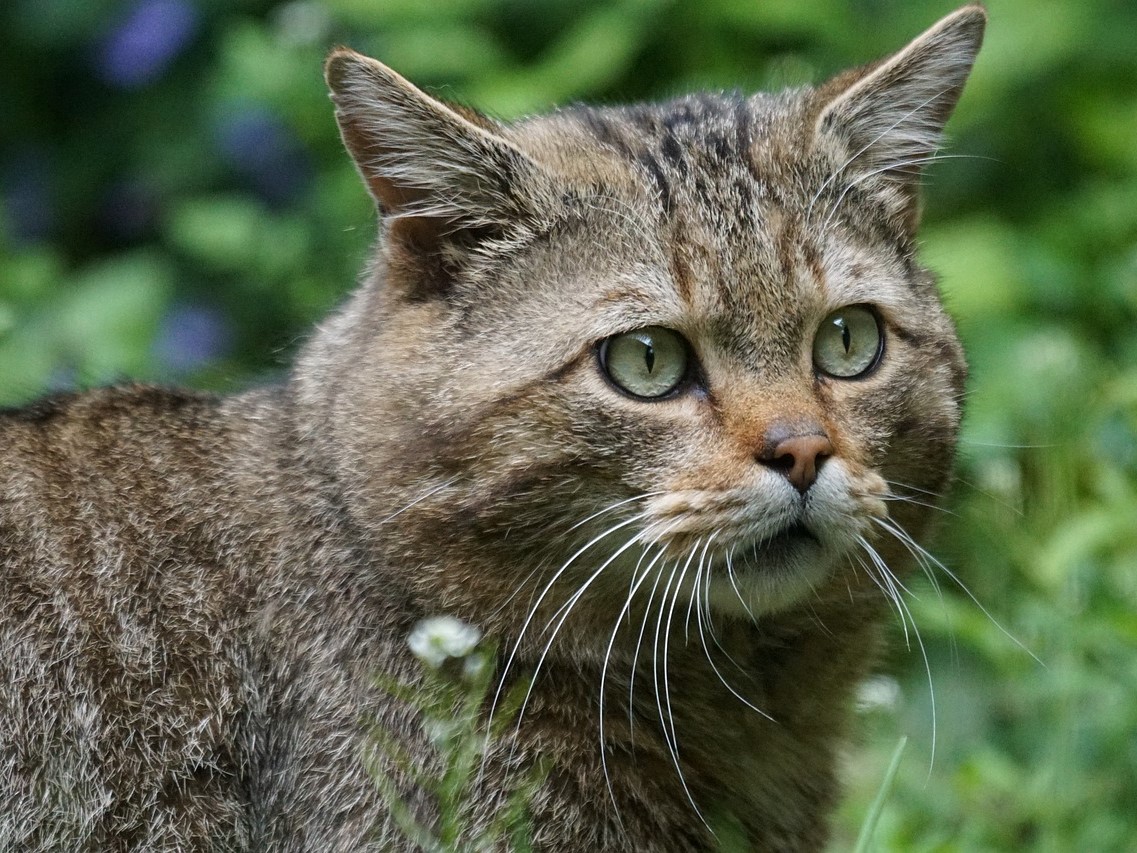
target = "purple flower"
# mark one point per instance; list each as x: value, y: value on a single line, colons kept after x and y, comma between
x: 192, y: 336
x: 144, y: 43
x: 260, y: 147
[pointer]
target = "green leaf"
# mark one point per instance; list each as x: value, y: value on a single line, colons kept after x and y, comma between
x: 109, y: 316
x: 222, y: 232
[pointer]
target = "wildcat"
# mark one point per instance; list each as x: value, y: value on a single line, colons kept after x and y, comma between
x: 638, y: 391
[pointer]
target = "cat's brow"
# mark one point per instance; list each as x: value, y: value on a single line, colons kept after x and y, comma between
x: 621, y: 309
x: 624, y: 297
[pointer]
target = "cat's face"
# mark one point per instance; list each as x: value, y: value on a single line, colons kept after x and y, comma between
x: 684, y: 345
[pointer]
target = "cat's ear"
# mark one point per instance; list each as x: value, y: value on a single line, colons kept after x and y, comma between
x: 890, y: 115
x: 438, y: 167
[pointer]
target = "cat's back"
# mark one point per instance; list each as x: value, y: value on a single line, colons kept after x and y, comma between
x: 115, y: 474
x: 121, y: 607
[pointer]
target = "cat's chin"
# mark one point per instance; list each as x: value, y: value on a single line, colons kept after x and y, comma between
x: 772, y: 574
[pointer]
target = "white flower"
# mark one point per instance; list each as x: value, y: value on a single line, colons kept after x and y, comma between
x: 879, y: 693
x: 435, y: 639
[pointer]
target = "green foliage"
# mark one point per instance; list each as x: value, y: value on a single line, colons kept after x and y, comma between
x: 189, y: 226
x: 454, y: 701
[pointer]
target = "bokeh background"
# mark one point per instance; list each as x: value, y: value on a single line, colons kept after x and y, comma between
x: 175, y: 206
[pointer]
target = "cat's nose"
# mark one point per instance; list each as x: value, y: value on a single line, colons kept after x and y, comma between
x: 797, y: 455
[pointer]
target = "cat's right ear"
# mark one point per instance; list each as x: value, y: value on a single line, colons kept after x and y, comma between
x: 889, y: 116
x: 432, y: 168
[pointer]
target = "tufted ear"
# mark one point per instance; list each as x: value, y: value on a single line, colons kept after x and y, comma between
x: 441, y: 168
x: 890, y: 115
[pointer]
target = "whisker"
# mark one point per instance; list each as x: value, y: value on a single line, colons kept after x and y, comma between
x: 612, y: 507
x: 851, y: 185
x: 673, y: 741
x: 899, y: 600
x: 710, y: 660
x: 963, y: 439
x: 707, y: 600
x: 655, y: 657
x: 893, y: 496
x: 564, y: 609
x: 992, y: 497
x: 909, y: 542
x: 428, y: 494
x: 841, y: 169
x: 734, y: 585
x: 882, y: 583
x: 533, y: 612
x: 563, y: 612
x: 544, y: 564
x: 640, y: 639
x: 897, y: 484
x: 918, y: 554
x: 634, y: 587
x: 695, y: 586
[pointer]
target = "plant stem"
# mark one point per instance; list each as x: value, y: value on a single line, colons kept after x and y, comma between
x: 873, y: 816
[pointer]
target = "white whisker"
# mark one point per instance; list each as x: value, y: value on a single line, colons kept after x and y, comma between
x: 612, y: 507
x: 882, y: 580
x: 695, y: 586
x: 636, y: 583
x: 840, y: 170
x: 734, y: 585
x: 672, y: 741
x: 851, y: 185
x: 533, y: 612
x: 424, y: 496
x: 886, y: 573
x: 714, y: 666
x: 640, y: 639
x: 921, y: 554
x: 564, y: 611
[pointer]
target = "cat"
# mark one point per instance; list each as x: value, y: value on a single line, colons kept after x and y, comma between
x: 652, y: 395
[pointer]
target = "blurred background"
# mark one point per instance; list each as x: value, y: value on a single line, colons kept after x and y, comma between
x: 175, y: 206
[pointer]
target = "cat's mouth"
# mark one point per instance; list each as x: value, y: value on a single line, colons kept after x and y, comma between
x: 767, y: 574
x: 793, y: 540
x: 787, y: 539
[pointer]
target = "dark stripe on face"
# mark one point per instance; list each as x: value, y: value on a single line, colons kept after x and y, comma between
x: 648, y: 161
x: 607, y: 134
x: 604, y: 132
x: 682, y: 275
x: 672, y: 152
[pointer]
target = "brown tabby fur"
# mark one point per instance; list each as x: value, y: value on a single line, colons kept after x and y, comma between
x: 197, y: 593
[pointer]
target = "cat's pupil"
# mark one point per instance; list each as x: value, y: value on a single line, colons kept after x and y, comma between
x: 649, y: 357
x: 846, y: 335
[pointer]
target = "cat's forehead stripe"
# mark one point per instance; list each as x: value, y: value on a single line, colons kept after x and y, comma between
x: 678, y: 144
x: 610, y: 133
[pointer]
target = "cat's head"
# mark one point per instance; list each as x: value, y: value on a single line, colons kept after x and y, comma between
x: 686, y: 342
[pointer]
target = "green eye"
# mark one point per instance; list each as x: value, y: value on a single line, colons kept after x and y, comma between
x: 649, y: 363
x: 848, y: 342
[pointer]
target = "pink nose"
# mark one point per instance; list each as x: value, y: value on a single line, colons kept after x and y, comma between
x: 798, y: 457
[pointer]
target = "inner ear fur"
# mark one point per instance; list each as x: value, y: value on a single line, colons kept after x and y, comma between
x: 889, y: 116
x: 432, y: 168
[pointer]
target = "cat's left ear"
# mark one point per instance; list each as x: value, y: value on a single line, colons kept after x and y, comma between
x: 890, y: 115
